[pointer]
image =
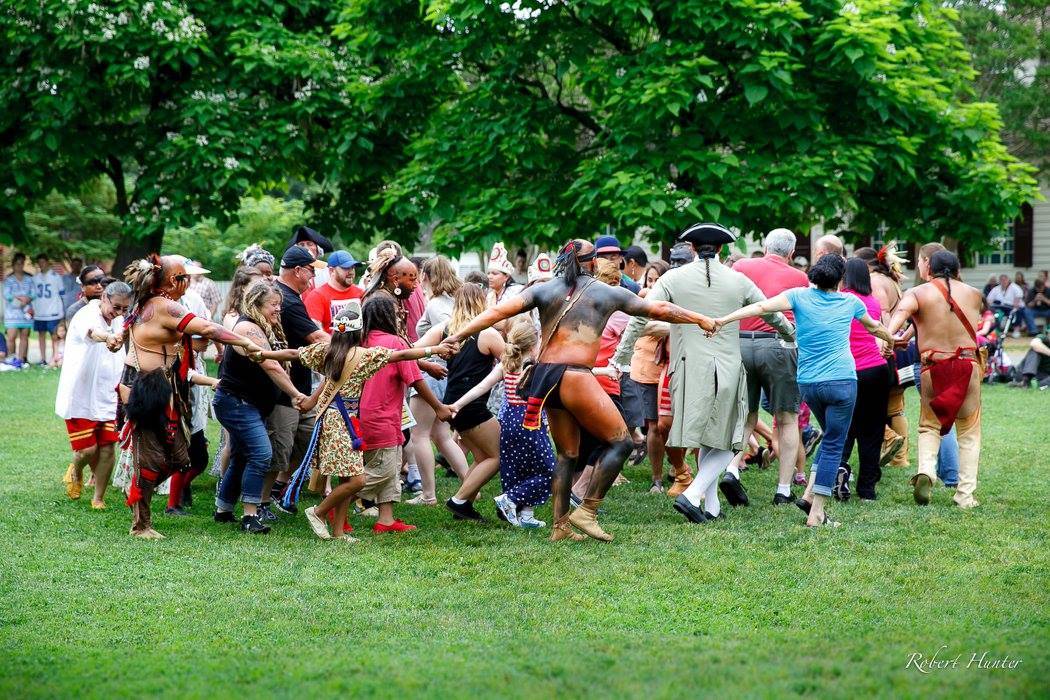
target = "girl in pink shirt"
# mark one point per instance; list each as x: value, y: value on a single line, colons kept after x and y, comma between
x: 873, y: 387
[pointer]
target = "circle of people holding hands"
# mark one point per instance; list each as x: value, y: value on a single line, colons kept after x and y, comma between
x: 357, y: 393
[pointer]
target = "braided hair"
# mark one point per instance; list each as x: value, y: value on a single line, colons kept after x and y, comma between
x: 144, y: 277
x: 567, y: 264
x: 706, y: 252
x: 385, y: 260
x: 945, y: 265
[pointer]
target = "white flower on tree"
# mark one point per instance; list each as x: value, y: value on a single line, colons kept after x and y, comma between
x: 141, y: 63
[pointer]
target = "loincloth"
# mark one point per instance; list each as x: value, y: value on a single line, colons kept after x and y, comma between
x: 950, y: 382
x: 153, y: 427
x: 542, y: 391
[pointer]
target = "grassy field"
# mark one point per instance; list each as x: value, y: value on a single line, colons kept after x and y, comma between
x: 755, y: 605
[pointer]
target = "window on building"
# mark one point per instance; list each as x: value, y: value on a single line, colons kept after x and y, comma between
x: 1002, y: 252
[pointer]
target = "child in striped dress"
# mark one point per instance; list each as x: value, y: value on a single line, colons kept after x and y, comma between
x: 526, y: 458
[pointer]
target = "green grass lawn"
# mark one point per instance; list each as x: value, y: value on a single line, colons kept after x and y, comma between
x: 754, y: 605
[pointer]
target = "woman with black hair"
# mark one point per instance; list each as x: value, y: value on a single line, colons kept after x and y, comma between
x: 91, y: 283
x: 827, y: 375
x: 873, y: 387
x: 336, y: 446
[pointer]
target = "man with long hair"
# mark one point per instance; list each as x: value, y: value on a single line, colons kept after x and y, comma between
x: 945, y: 312
x: 154, y: 388
x: 574, y: 309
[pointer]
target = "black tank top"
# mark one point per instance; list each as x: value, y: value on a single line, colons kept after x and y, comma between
x: 247, y: 380
x: 466, y: 369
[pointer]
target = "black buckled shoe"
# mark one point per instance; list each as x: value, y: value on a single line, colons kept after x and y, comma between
x: 780, y: 499
x: 733, y: 490
x: 691, y: 512
x: 463, y: 511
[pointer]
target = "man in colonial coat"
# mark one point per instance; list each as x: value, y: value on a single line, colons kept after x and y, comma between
x: 708, y: 382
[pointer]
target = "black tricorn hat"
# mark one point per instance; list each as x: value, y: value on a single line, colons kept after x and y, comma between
x: 305, y: 233
x: 707, y: 234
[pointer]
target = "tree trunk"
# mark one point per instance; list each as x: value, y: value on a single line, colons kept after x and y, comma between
x: 131, y: 248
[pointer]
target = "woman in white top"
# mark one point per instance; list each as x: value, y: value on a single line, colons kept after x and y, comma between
x: 439, y: 283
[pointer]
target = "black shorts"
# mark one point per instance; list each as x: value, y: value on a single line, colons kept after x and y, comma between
x: 473, y: 414
x: 639, y: 402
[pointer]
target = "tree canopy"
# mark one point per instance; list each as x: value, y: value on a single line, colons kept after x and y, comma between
x: 530, y: 121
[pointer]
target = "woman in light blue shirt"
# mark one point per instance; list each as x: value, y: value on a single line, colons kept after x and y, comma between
x: 827, y: 376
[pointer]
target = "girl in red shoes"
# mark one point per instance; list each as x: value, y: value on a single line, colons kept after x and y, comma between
x: 340, y: 445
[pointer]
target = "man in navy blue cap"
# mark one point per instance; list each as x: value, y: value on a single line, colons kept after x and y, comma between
x: 608, y: 247
x: 325, y: 301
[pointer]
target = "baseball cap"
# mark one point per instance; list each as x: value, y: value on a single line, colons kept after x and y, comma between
x: 297, y: 256
x: 606, y: 244
x: 682, y: 254
x: 193, y: 267
x: 343, y: 259
x: 636, y: 254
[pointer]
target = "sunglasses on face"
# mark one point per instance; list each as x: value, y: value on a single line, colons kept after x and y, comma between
x: 93, y: 281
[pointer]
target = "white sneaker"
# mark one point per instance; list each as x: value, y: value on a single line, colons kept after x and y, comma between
x: 528, y: 520
x: 317, y: 524
x: 506, y: 509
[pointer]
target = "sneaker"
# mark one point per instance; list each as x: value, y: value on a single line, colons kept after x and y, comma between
x: 396, y: 526
x: 812, y: 440
x: 252, y: 524
x: 317, y: 524
x: 800, y: 479
x: 290, y: 509
x: 266, y: 515
x: 413, y: 485
x: 841, y: 488
x: 529, y: 521
x: 463, y: 511
x: 223, y: 516
x: 506, y: 510
x: 890, y: 450
x: 657, y: 487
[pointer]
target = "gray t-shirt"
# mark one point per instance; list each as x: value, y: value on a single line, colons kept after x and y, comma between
x: 438, y: 310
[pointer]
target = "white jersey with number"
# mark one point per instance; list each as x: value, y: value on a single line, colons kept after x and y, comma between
x: 48, y: 289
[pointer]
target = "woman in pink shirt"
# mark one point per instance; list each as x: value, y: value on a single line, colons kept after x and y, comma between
x: 873, y: 386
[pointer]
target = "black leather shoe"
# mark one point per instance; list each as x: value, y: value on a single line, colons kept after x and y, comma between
x: 733, y: 490
x: 691, y: 512
x: 720, y: 516
x: 463, y: 511
x: 223, y: 516
x: 780, y: 499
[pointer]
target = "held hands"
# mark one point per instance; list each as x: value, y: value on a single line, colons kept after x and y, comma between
x: 446, y: 349
x: 254, y: 352
x: 114, y: 342
x: 444, y: 413
x: 714, y: 326
x: 303, y: 403
x: 434, y: 369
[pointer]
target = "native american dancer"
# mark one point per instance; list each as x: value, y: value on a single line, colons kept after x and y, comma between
x: 154, y: 413
x: 945, y: 312
x: 574, y: 309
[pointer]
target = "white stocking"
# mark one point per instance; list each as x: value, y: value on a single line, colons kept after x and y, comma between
x: 711, y: 464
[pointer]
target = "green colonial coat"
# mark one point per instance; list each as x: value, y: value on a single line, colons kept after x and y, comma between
x: 708, y: 381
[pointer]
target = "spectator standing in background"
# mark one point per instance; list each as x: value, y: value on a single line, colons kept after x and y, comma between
x: 47, y: 306
x: 18, y: 311
x: 90, y: 283
x: 325, y: 301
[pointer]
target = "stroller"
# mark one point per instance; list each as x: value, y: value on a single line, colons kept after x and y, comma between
x: 999, y: 368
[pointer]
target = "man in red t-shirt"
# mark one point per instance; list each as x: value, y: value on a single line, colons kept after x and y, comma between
x: 770, y: 365
x: 325, y: 302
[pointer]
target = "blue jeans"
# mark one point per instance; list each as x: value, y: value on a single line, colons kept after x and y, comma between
x: 831, y: 403
x: 250, y: 451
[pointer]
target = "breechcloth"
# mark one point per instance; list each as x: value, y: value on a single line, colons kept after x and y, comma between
x: 950, y: 378
x: 542, y: 391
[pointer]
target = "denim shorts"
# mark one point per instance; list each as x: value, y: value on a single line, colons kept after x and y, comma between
x: 46, y: 326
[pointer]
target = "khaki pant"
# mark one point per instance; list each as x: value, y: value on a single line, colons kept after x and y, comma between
x: 898, y: 425
x: 968, y: 429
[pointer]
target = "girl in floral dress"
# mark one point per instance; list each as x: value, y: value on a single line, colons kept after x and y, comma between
x: 335, y: 449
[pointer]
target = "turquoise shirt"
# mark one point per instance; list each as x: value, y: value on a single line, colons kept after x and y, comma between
x: 823, y: 325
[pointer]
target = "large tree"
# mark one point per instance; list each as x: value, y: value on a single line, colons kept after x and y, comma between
x: 569, y: 116
x: 1010, y: 44
x: 184, y: 105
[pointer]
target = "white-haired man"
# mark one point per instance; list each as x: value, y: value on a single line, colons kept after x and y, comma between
x: 770, y: 364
